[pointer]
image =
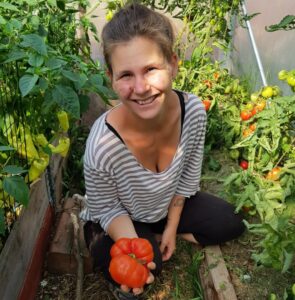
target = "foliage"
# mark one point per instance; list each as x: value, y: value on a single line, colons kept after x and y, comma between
x: 266, y: 187
x: 287, y: 23
x: 46, y: 75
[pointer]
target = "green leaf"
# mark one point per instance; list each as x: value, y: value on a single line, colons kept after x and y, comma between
x: 71, y: 75
x: 52, y: 3
x: 55, y: 63
x: 2, y: 20
x: 35, y: 60
x: 13, y: 170
x: 15, y: 55
x: 287, y: 261
x: 8, y: 6
x: 285, y: 24
x: 67, y: 99
x: 31, y: 2
x: 17, y: 188
x: 35, y: 42
x: 26, y: 83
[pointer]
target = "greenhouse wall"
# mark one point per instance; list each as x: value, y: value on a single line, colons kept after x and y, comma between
x: 276, y: 49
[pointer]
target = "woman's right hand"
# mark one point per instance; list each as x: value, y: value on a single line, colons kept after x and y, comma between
x: 150, y: 279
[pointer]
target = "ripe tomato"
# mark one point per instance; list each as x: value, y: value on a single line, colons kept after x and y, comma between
x: 245, y: 115
x: 207, y: 104
x: 208, y: 83
x: 260, y: 105
x: 252, y: 127
x: 247, y: 132
x: 129, y: 259
x: 244, y: 164
x: 274, y: 174
x: 254, y: 111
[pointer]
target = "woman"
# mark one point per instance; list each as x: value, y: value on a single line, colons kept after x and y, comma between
x: 143, y: 158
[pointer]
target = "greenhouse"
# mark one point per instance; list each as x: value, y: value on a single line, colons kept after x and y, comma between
x: 147, y: 149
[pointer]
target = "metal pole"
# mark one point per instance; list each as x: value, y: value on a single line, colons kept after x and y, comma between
x: 256, y: 52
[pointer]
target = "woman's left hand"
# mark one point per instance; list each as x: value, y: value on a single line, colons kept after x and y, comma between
x: 168, y: 243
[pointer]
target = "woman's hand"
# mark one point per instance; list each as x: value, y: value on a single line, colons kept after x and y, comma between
x: 168, y: 243
x: 150, y: 279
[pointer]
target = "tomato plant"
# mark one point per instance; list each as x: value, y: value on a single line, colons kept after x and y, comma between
x: 129, y: 259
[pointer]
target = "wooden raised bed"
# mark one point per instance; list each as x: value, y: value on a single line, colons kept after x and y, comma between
x: 22, y: 257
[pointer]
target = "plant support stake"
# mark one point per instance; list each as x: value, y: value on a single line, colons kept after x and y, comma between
x: 253, y: 42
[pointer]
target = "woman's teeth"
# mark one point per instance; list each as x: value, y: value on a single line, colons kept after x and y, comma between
x: 147, y: 101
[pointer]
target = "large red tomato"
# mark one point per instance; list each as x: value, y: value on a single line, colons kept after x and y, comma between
x: 129, y: 259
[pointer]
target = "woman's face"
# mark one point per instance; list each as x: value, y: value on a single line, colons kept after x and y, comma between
x: 142, y: 77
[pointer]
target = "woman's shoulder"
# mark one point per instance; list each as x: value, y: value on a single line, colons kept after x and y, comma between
x: 100, y: 142
x: 193, y: 103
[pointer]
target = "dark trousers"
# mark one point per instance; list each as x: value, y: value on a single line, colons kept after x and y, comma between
x: 210, y: 219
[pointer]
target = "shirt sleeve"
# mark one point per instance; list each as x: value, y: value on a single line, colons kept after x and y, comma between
x: 102, y: 203
x: 189, y: 182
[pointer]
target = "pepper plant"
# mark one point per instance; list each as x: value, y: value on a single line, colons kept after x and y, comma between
x: 47, y: 73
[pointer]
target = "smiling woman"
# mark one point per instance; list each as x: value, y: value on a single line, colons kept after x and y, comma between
x: 143, y: 158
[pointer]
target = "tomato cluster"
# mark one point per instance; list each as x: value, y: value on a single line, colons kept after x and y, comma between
x: 129, y: 261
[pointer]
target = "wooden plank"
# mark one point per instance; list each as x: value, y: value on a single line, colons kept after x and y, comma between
x: 34, y: 271
x: 17, y: 252
x: 218, y: 280
x: 22, y: 257
x: 61, y: 257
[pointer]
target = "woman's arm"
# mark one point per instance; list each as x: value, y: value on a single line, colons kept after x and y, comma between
x: 121, y: 226
x: 168, y: 242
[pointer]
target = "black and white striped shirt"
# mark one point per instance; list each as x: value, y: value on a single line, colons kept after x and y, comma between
x: 117, y: 184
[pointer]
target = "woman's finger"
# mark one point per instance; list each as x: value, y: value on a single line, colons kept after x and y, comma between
x: 137, y: 291
x: 151, y: 265
x: 150, y: 278
x: 125, y: 288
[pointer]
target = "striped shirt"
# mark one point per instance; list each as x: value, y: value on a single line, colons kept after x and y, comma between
x: 117, y: 184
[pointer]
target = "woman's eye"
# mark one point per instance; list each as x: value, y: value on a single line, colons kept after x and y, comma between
x: 151, y: 69
x: 125, y: 75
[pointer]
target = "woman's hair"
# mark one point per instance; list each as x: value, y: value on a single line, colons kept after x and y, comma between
x: 136, y: 20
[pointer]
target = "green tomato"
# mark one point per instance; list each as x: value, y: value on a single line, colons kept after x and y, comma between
x: 267, y: 92
x: 254, y: 97
x: 291, y: 80
x: 234, y: 154
x: 283, y: 74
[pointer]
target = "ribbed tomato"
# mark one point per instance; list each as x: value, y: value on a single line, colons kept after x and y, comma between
x: 129, y: 259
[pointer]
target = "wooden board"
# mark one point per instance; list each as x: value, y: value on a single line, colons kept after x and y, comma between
x: 215, y: 279
x: 61, y: 256
x: 22, y: 257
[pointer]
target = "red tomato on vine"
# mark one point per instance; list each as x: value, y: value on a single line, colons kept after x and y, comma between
x: 207, y: 104
x: 244, y: 164
x: 245, y: 115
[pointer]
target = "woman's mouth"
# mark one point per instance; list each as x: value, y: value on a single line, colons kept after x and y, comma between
x: 146, y: 101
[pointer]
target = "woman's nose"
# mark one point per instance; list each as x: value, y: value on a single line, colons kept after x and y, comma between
x: 141, y: 85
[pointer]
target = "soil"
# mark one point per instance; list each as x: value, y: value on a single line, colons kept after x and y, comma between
x: 179, y: 279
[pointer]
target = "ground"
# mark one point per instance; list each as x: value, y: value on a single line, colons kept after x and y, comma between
x: 179, y: 279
